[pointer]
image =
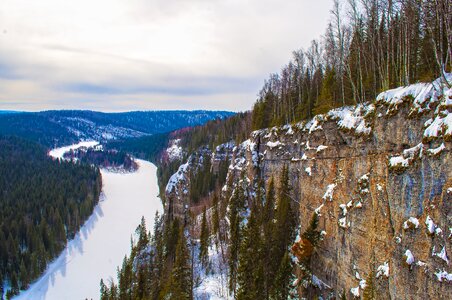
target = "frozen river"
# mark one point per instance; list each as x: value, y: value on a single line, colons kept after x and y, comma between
x: 101, y: 244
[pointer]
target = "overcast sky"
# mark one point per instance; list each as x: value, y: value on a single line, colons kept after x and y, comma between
x: 120, y: 55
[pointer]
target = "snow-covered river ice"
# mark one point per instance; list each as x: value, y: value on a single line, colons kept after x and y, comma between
x: 103, y: 241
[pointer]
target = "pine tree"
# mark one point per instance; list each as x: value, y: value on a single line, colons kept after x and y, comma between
x: 143, y: 237
x: 281, y: 287
x: 285, y: 220
x: 125, y: 278
x: 113, y: 292
x: 215, y: 215
x: 180, y: 283
x: 312, y: 233
x: 158, y: 257
x: 250, y: 273
x: 103, y: 291
x: 326, y: 100
x: 14, y: 283
x: 268, y: 215
x: 23, y: 276
x: 236, y: 207
x: 369, y: 292
x: 204, y: 241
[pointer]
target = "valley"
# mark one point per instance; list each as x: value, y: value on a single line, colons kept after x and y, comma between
x: 103, y: 241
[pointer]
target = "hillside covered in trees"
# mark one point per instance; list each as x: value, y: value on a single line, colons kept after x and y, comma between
x: 58, y: 128
x: 43, y: 203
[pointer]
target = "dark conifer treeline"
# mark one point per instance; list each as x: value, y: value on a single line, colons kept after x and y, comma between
x: 103, y: 158
x: 42, y: 204
x: 369, y: 46
x: 216, y: 132
x: 158, y: 267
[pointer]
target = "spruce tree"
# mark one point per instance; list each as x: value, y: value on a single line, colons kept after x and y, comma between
x: 281, y: 287
x: 158, y: 257
x: 312, y: 233
x: 180, y: 283
x: 23, y: 276
x: 268, y: 215
x: 103, y: 291
x: 204, y: 241
x: 215, y: 215
x: 284, y: 227
x: 250, y: 273
x: 369, y: 292
x: 236, y: 208
x: 143, y: 237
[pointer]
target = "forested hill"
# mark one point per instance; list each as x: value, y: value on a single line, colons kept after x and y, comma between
x: 56, y: 128
x: 43, y: 203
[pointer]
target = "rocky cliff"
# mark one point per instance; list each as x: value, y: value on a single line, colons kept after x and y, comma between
x: 379, y: 175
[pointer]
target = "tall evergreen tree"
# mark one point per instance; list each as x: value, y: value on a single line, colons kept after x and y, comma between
x: 283, y: 279
x: 284, y: 228
x: 103, y: 291
x: 204, y: 241
x: 236, y: 208
x: 215, y: 215
x: 180, y: 283
x: 250, y: 273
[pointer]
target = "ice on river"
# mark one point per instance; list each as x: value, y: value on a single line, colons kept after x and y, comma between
x: 100, y: 246
x: 59, y: 152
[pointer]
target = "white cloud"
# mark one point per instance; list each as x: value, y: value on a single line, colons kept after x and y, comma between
x: 147, y: 54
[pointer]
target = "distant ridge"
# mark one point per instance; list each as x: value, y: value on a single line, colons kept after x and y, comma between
x: 59, y: 127
x: 10, y: 111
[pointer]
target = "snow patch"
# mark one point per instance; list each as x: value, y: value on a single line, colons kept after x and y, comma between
x: 443, y: 276
x: 353, y: 118
x: 409, y: 257
x: 383, y: 270
x: 436, y: 151
x: 412, y: 221
x: 355, y: 291
x: 430, y: 225
x: 272, y: 145
x: 329, y: 192
x: 58, y: 153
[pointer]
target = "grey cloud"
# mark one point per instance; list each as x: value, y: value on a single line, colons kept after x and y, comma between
x: 150, y: 54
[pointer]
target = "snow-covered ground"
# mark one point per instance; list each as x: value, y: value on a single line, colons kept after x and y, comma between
x: 59, y: 152
x: 100, y: 246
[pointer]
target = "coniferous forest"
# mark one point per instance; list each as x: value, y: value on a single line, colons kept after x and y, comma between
x: 43, y: 203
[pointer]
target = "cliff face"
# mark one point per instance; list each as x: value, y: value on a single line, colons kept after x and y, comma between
x: 178, y: 194
x: 380, y: 177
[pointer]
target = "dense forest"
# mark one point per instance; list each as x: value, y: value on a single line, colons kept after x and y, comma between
x: 111, y: 159
x: 369, y: 46
x: 147, y: 147
x: 43, y: 203
x: 37, y: 128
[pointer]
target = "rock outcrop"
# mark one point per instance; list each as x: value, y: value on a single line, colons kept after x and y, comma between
x: 380, y: 177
